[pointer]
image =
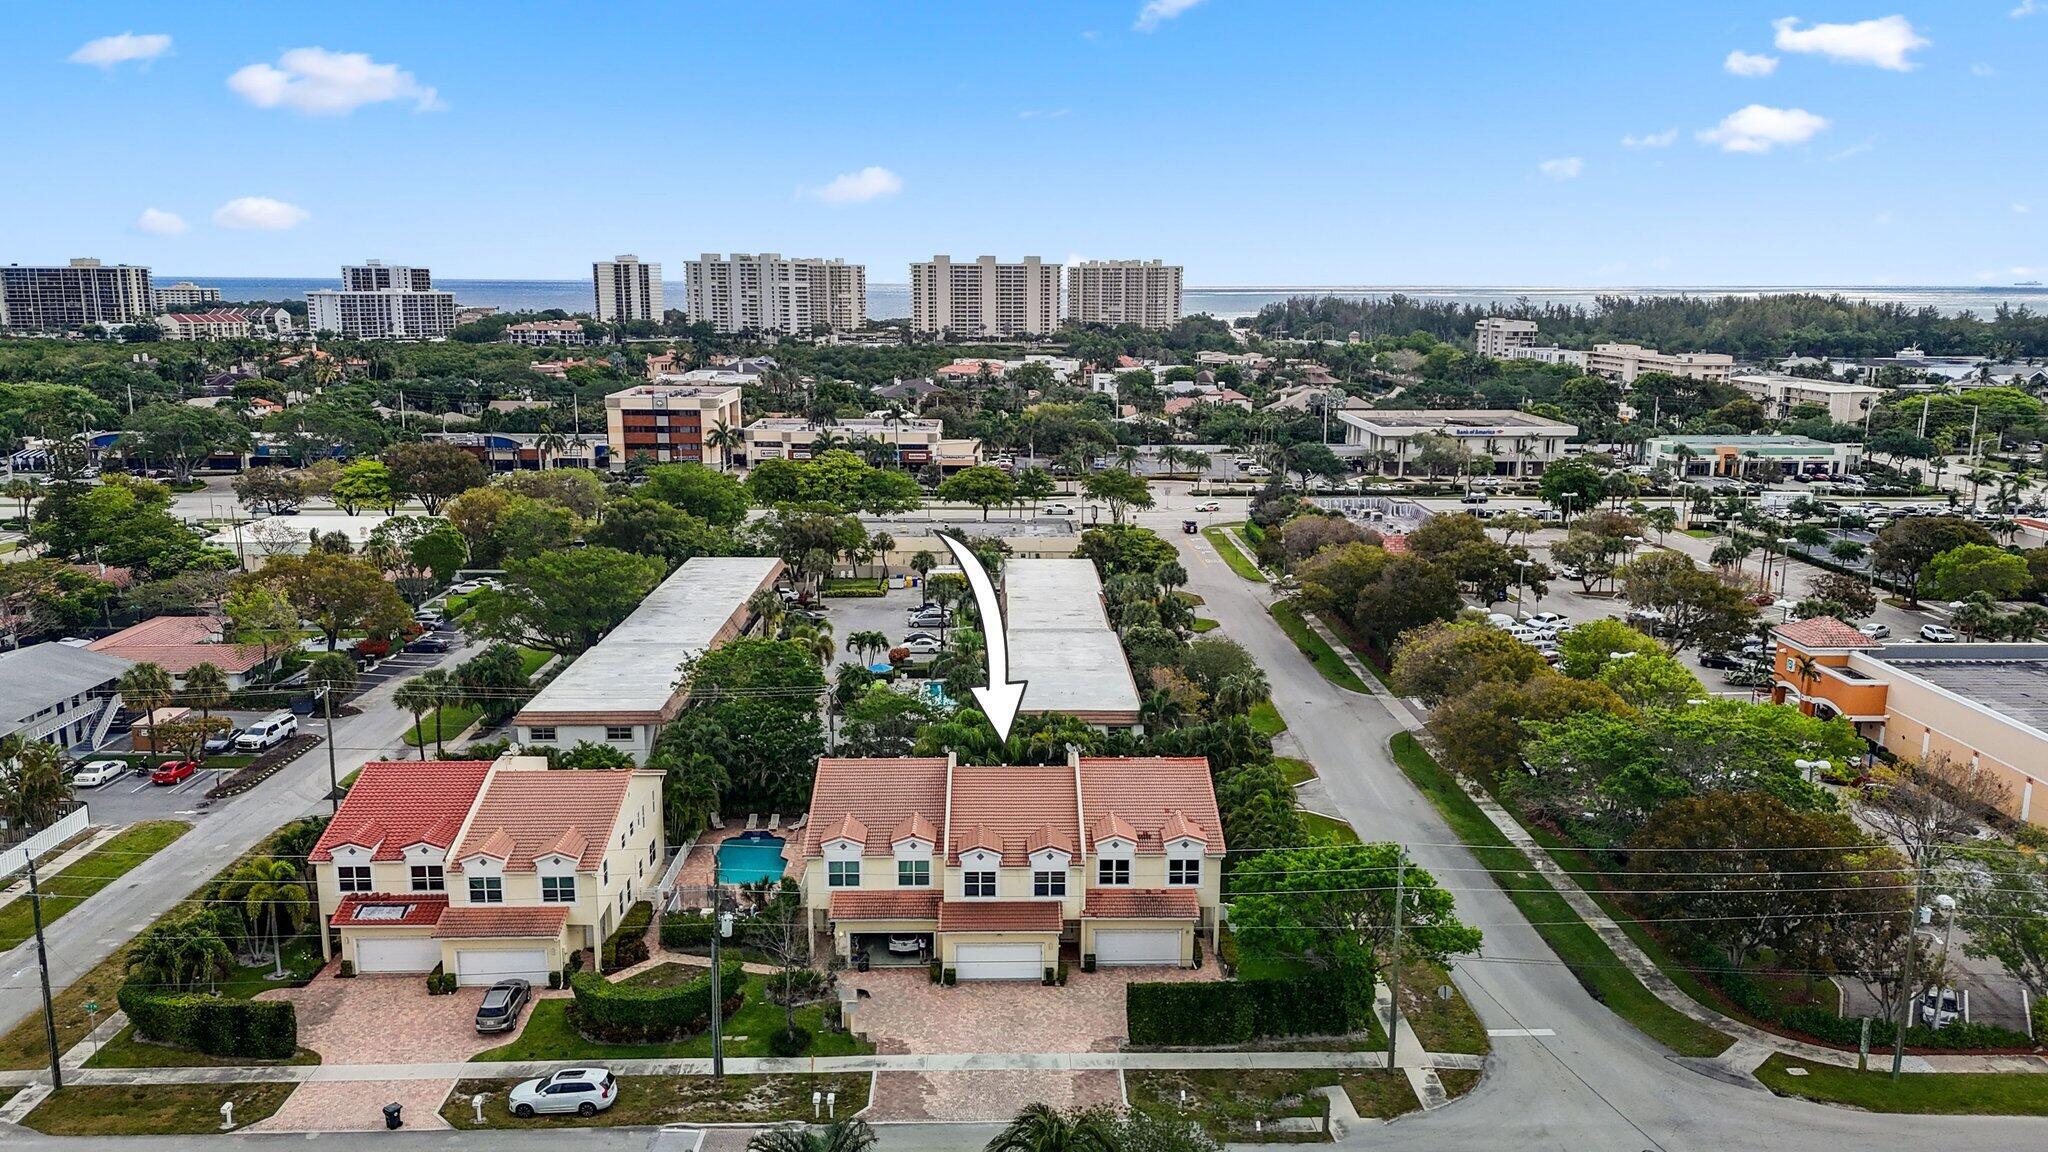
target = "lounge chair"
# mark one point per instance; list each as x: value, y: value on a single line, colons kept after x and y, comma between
x: 753, y: 821
x: 717, y: 823
x: 800, y: 822
x: 774, y: 821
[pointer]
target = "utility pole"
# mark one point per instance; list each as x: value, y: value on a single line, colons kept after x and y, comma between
x: 717, y: 992
x: 1394, y: 972
x: 333, y: 779
x: 35, y: 903
x: 1908, y: 994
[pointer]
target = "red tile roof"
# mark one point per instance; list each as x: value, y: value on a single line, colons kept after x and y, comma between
x: 1179, y: 827
x: 1110, y: 826
x: 914, y: 827
x: 1141, y: 904
x: 884, y: 792
x: 468, y: 921
x: 849, y: 827
x: 421, y: 909
x: 1148, y: 791
x: 1012, y: 804
x: 1048, y: 837
x: 177, y: 644
x: 1824, y: 632
x: 884, y: 905
x: 999, y: 916
x: 401, y: 803
x: 530, y: 812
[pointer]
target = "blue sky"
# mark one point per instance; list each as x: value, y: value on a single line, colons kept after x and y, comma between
x: 1256, y: 143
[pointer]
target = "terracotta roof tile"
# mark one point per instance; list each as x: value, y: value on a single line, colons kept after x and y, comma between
x: 999, y: 916
x: 412, y: 801
x: 1178, y: 827
x: 1011, y: 803
x: 976, y: 836
x: 883, y: 792
x: 527, y: 812
x: 421, y: 910
x: 1147, y: 790
x: 1142, y: 904
x: 914, y: 827
x: 570, y: 843
x: 1048, y: 837
x: 885, y: 905
x: 1110, y: 826
x: 178, y: 644
x: 467, y: 921
x: 849, y: 827
x: 498, y: 844
x: 1824, y: 632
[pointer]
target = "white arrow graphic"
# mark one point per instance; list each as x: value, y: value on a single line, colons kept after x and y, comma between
x: 999, y: 701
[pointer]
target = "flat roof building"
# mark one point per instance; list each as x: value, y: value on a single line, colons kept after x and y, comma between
x: 770, y: 293
x: 671, y: 423
x: 1625, y: 362
x: 1520, y: 443
x: 184, y: 294
x: 1061, y: 642
x: 981, y: 298
x: 59, y: 694
x: 914, y: 441
x: 1780, y: 394
x: 627, y: 685
x: 1762, y: 455
x: 1142, y: 292
x: 74, y: 296
x: 1496, y: 336
x: 626, y: 289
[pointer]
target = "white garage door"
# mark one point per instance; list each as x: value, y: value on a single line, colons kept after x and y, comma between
x: 398, y: 954
x: 1137, y: 946
x: 481, y: 967
x: 998, y: 962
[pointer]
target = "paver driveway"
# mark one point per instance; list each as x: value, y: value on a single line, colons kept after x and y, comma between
x: 358, y: 1106
x: 386, y: 1020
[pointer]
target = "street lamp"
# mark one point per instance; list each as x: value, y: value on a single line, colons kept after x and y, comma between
x: 1814, y: 768
x: 1521, y: 573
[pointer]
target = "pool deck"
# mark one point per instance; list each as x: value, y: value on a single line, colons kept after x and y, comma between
x: 700, y: 868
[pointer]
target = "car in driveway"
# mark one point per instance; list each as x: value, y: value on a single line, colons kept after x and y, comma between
x: 584, y: 1091
x: 94, y: 773
x: 174, y: 772
x: 499, y: 1011
x: 1874, y: 629
x: 1937, y: 634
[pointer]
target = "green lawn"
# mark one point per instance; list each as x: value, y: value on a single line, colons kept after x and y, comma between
x: 1232, y: 556
x: 1202, y: 624
x: 549, y: 1036
x: 66, y: 890
x: 1295, y: 771
x: 1955, y: 1093
x: 1383, y: 1095
x: 1226, y: 1102
x: 126, y: 1051
x: 1328, y: 828
x: 530, y: 660
x: 645, y: 1101
x: 1700, y: 533
x: 152, y: 1110
x: 450, y: 720
x: 1266, y: 720
x: 1583, y: 951
x: 1317, y: 649
x: 1442, y: 1025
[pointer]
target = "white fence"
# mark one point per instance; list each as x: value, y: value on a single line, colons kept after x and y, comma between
x: 15, y: 859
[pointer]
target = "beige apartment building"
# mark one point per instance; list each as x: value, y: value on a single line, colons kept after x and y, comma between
x: 77, y: 295
x: 984, y: 299
x: 1625, y: 362
x: 915, y: 442
x: 770, y: 293
x: 664, y: 423
x: 1520, y: 443
x: 543, y: 333
x: 626, y: 289
x: 1780, y: 394
x: 1498, y: 336
x: 1146, y: 293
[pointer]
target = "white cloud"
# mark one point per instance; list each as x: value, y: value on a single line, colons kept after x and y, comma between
x: 1982, y: 69
x: 1855, y: 149
x: 259, y: 212
x: 158, y: 222
x: 2022, y: 209
x: 1157, y: 12
x: 1882, y: 43
x: 1664, y: 139
x: 870, y: 183
x: 1740, y: 63
x: 108, y: 51
x: 1760, y: 128
x: 322, y: 83
x: 2026, y: 8
x: 1044, y: 114
x: 1562, y: 168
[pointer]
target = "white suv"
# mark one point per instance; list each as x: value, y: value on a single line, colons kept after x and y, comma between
x: 584, y: 1091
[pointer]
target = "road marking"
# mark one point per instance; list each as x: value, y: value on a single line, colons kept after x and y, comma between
x: 1513, y: 1033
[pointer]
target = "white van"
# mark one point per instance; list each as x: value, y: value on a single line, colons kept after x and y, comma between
x: 268, y: 732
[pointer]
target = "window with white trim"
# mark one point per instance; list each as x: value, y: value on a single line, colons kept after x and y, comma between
x: 842, y: 873
x: 913, y: 873
x: 618, y: 732
x: 544, y: 734
x: 1049, y: 883
x: 558, y: 889
x: 429, y: 878
x: 353, y: 877
x: 1113, y: 872
x: 486, y: 890
x: 978, y: 883
x: 1184, y: 872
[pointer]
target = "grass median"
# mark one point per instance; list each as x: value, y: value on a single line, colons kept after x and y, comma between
x: 153, y: 1109
x: 1317, y: 649
x: 1233, y: 555
x: 1936, y: 1093
x: 85, y: 877
x: 1598, y: 969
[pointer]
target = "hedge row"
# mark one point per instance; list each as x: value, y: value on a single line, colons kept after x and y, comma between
x: 259, y: 1030
x: 1240, y: 1011
x: 683, y: 930
x: 636, y: 1012
x: 1846, y: 1032
x: 627, y: 945
x: 263, y: 767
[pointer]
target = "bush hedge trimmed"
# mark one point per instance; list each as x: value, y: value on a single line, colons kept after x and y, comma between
x: 681, y: 930
x: 256, y: 1029
x: 1747, y: 994
x: 631, y: 1013
x: 627, y: 945
x: 1239, y: 1011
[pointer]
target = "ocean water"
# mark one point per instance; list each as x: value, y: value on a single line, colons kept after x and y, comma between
x: 887, y: 301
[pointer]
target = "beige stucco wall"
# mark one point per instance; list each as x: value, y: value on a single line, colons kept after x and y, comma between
x: 1923, y: 720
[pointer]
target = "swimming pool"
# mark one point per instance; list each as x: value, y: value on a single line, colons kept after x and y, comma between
x: 750, y: 858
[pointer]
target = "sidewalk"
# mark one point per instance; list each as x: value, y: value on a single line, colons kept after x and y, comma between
x: 94, y: 838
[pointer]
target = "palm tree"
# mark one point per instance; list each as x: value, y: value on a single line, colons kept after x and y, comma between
x: 726, y: 439
x: 1127, y: 458
x: 815, y: 639
x: 33, y: 788
x: 838, y: 1136
x: 1043, y: 1128
x: 767, y: 606
x: 867, y: 644
x: 879, y: 547
x: 1240, y: 693
x: 206, y: 687
x: 272, y: 897
x: 418, y: 698
x: 147, y: 687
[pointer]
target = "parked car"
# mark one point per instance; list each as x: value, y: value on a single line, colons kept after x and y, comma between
x: 500, y: 1010
x: 174, y: 772
x: 1942, y: 1008
x: 1208, y: 506
x: 1472, y: 498
x: 584, y: 1091
x: 268, y: 732
x: 1568, y: 571
x: 930, y: 620
x: 1551, y: 620
x: 1874, y: 630
x: 430, y: 643
x: 220, y: 742
x: 1500, y: 620
x: 94, y: 773
x: 909, y: 636
x: 1721, y: 660
x: 429, y: 619
x: 923, y: 646
x: 1057, y: 509
x: 1937, y: 633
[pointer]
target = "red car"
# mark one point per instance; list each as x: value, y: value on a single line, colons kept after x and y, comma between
x: 174, y: 772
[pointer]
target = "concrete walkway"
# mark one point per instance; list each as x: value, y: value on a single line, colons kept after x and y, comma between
x: 94, y: 837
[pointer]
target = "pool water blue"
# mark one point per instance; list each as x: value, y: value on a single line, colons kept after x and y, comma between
x: 750, y: 858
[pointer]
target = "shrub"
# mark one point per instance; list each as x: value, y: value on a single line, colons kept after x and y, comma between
x: 440, y: 983
x: 1051, y: 975
x: 348, y: 969
x: 1237, y: 1011
x: 683, y: 930
x: 631, y: 1013
x: 1060, y: 974
x: 939, y: 973
x: 789, y: 1041
x: 627, y: 945
x: 952, y: 977
x: 255, y: 1029
x: 1749, y: 996
x: 554, y: 981
x: 1088, y: 962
